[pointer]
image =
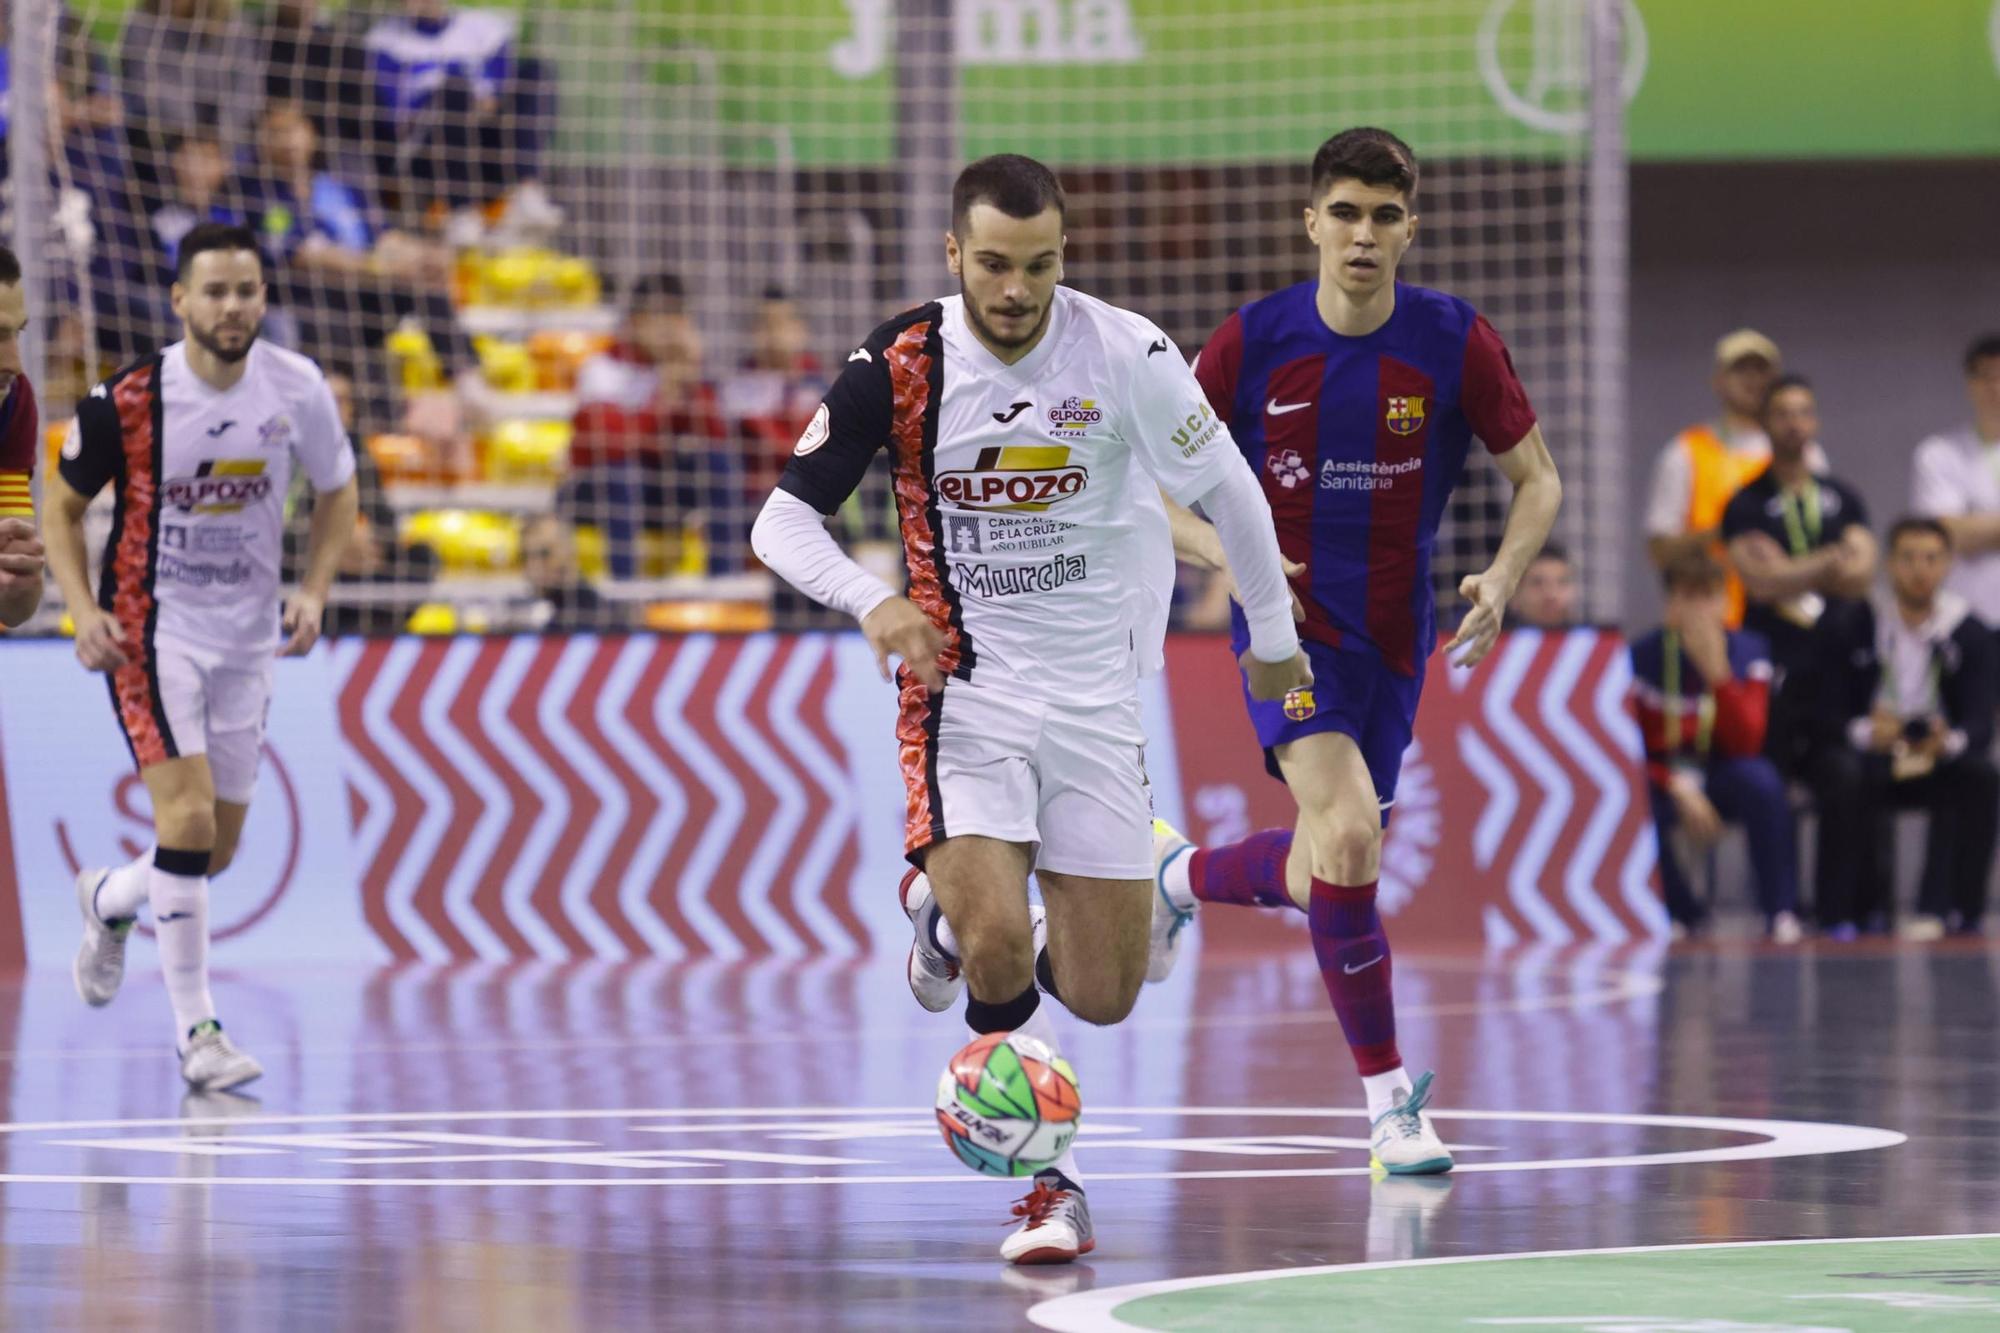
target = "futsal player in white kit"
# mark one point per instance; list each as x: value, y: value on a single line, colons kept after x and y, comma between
x: 1031, y: 430
x: 198, y: 442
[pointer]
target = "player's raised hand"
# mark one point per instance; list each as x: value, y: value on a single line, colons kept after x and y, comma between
x: 897, y: 628
x: 1488, y: 594
x: 100, y: 640
x: 1275, y: 680
x: 303, y: 614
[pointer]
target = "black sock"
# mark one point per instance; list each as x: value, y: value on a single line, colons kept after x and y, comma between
x: 1045, y: 974
x: 1005, y: 1017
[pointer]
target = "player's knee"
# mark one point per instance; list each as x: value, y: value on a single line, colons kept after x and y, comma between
x: 1106, y: 997
x: 1344, y: 842
x: 185, y: 822
x: 996, y: 953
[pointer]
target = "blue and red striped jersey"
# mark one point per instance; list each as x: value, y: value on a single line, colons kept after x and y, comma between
x: 1358, y: 442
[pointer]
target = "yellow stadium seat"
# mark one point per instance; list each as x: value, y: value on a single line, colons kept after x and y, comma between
x: 505, y: 365
x: 467, y: 541
x: 527, y: 451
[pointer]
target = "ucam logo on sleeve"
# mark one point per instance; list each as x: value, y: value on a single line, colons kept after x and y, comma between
x: 1195, y: 433
x: 1024, y: 477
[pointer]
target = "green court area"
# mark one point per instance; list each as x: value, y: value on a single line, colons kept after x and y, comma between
x: 1906, y: 1285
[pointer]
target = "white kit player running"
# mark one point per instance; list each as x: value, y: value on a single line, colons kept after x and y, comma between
x: 198, y: 444
x: 1031, y: 429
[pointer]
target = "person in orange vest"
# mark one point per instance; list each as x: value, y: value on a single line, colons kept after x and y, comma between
x: 1707, y: 463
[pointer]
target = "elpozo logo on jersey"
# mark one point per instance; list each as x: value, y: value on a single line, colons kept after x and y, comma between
x: 1028, y: 478
x: 1405, y: 416
x: 218, y: 486
x: 1075, y: 415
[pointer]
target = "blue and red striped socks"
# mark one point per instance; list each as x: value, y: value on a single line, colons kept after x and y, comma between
x: 1353, y: 954
x: 1250, y: 873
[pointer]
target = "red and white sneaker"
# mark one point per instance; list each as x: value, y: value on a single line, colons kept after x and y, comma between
x: 1055, y: 1225
x: 934, y: 976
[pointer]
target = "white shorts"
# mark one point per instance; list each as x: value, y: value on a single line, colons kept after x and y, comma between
x: 185, y: 700
x: 1071, y: 781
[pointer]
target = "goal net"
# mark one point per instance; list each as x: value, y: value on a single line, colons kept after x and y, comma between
x: 587, y: 266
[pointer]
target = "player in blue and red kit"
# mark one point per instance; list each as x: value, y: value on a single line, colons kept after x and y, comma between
x: 1356, y: 398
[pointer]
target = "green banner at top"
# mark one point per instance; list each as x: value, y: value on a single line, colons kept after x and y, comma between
x: 1170, y: 81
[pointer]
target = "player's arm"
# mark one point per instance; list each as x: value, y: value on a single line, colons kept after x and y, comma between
x: 20, y: 544
x: 790, y: 537
x: 1181, y: 441
x: 327, y: 456
x: 1497, y: 409
x: 1531, y: 470
x: 92, y: 455
x: 1196, y: 543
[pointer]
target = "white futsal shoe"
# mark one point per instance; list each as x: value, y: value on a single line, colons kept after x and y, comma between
x: 1055, y: 1225
x: 1402, y: 1140
x: 212, y: 1062
x: 934, y: 975
x: 1172, y: 912
x: 99, y: 969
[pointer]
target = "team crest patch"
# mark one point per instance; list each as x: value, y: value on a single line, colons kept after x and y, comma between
x: 1405, y: 416
x: 1299, y: 704
x: 276, y: 432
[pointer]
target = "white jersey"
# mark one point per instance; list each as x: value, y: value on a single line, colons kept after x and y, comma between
x: 1028, y: 494
x: 201, y: 478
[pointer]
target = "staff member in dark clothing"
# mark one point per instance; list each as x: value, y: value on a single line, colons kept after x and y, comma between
x: 1907, y: 706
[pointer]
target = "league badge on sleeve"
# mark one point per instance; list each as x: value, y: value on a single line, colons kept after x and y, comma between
x: 816, y: 432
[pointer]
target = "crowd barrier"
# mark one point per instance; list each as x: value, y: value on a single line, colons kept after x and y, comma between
x: 719, y: 796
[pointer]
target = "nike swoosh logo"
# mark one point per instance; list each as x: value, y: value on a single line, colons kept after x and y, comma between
x: 1277, y: 410
x: 176, y: 916
x: 859, y: 354
x: 1013, y: 410
x: 1159, y: 346
x: 1350, y: 971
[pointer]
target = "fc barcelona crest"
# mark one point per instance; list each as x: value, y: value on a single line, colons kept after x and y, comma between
x: 1405, y: 416
x: 1299, y: 704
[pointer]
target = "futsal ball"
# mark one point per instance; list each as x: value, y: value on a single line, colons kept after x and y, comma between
x: 1008, y: 1105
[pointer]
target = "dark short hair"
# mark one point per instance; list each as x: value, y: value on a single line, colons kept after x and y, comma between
x: 770, y: 294
x: 1984, y: 346
x: 1693, y: 572
x: 214, y: 236
x: 662, y: 291
x: 1780, y: 385
x: 1914, y: 524
x: 10, y: 267
x: 1018, y: 186
x: 1553, y: 551
x: 1368, y: 155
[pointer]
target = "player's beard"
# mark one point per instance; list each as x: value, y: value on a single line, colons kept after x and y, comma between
x: 992, y: 335
x: 208, y: 342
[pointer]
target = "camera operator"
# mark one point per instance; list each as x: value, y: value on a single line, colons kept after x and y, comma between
x: 1911, y: 682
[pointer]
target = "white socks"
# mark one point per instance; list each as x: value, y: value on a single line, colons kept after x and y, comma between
x: 180, y: 927
x: 124, y: 890
x: 1043, y: 1030
x: 1174, y: 879
x: 1385, y: 1091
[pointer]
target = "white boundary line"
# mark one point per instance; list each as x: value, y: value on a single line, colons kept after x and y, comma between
x: 1091, y: 1311
x: 1780, y: 1138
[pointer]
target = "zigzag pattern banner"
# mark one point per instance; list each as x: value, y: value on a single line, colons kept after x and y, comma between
x: 727, y: 797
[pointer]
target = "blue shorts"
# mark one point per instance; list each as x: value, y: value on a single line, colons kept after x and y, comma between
x: 1354, y: 692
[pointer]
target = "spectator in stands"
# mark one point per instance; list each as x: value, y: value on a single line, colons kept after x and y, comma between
x: 1702, y: 695
x: 775, y: 393
x: 465, y: 112
x: 1547, y: 596
x: 199, y: 194
x: 1908, y: 702
x: 373, y: 556
x: 187, y: 68
x: 1957, y: 482
x: 563, y: 602
x: 1801, y: 542
x: 320, y: 64
x: 651, y: 448
x: 1707, y: 463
